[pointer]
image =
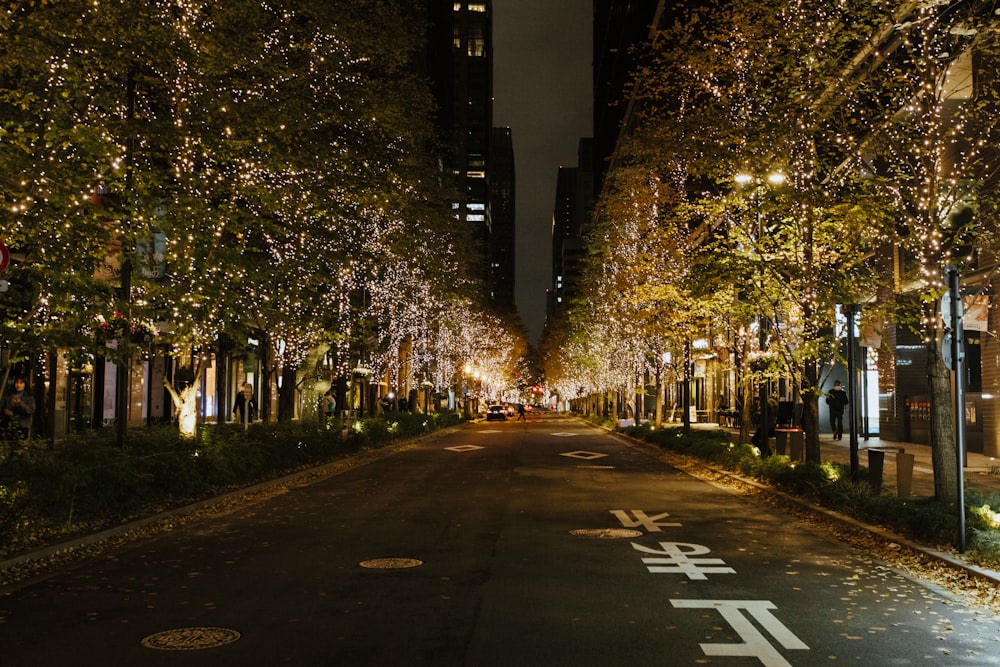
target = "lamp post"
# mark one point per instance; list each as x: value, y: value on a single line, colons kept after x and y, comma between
x: 465, y: 390
x: 852, y: 371
x: 775, y: 178
x: 426, y: 386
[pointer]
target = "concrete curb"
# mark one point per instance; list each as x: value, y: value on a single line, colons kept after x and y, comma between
x: 687, y: 463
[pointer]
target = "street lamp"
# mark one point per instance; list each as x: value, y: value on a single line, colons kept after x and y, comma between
x: 426, y: 386
x: 775, y: 178
x: 465, y: 390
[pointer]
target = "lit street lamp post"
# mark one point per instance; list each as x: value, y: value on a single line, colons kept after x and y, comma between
x: 775, y: 179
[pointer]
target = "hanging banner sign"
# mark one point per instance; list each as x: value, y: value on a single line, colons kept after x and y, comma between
x: 4, y: 257
x: 977, y: 313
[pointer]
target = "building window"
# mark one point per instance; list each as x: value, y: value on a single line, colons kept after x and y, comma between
x: 477, y: 41
x: 477, y: 6
x: 475, y: 217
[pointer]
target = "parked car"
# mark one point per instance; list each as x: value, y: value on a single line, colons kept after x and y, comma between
x: 496, y: 412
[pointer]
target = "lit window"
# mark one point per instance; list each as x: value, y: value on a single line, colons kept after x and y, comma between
x: 458, y: 6
x: 476, y: 217
x: 473, y: 206
x: 477, y: 41
x: 475, y: 174
x: 477, y: 6
x: 455, y: 205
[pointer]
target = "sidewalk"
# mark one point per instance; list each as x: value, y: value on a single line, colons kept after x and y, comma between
x: 981, y: 474
x: 977, y: 474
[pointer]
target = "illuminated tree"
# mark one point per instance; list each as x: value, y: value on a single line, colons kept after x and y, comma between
x: 731, y: 93
x: 244, y: 168
x: 926, y: 96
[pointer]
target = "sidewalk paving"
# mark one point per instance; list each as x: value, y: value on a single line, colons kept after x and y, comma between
x: 982, y: 473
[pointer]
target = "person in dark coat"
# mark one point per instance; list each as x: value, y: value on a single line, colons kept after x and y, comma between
x: 837, y: 400
x: 245, y: 407
x: 19, y: 408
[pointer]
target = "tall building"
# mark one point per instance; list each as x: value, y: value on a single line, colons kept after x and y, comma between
x: 619, y: 25
x: 460, y: 65
x: 503, y: 235
x: 574, y: 208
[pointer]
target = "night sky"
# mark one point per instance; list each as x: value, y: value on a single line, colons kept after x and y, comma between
x: 543, y: 85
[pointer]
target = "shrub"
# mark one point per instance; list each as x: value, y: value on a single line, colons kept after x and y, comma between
x: 89, y: 482
x: 830, y: 484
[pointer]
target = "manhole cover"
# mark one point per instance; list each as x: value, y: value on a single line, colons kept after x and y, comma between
x: 606, y: 533
x: 390, y: 563
x: 190, y: 639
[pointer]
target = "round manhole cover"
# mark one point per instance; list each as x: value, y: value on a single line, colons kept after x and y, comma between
x: 606, y: 533
x: 391, y: 563
x: 190, y: 639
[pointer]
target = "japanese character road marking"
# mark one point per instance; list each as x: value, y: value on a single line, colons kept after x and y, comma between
x: 676, y: 559
x: 755, y: 644
x: 650, y: 523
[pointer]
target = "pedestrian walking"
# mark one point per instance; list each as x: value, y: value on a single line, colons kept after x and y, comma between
x: 520, y: 413
x: 837, y: 400
x: 245, y: 407
x: 327, y: 408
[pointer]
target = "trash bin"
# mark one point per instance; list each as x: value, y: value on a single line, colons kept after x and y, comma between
x: 876, y: 463
x: 904, y: 474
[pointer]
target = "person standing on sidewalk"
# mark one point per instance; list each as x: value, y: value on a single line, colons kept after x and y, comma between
x: 837, y: 400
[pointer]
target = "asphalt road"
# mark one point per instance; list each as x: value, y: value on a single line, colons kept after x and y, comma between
x: 539, y: 543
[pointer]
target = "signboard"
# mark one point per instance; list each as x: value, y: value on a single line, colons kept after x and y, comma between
x: 4, y: 257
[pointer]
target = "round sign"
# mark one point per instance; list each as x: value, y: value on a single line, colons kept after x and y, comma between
x: 4, y: 257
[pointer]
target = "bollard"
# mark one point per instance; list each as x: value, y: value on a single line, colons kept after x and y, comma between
x: 780, y: 439
x: 797, y: 445
x: 904, y: 474
x: 876, y: 461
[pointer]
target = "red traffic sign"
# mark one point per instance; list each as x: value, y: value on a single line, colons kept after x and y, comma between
x: 4, y: 257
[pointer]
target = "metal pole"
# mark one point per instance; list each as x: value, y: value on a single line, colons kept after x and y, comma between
x: 125, y: 289
x: 765, y: 432
x: 852, y: 372
x: 866, y: 430
x: 958, y: 357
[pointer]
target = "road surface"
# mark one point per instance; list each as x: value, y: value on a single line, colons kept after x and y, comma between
x: 501, y: 543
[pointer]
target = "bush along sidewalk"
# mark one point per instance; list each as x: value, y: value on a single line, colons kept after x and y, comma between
x: 88, y: 483
x: 921, y: 519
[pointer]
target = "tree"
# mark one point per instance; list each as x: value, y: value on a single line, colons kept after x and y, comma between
x: 929, y: 98
x: 733, y: 90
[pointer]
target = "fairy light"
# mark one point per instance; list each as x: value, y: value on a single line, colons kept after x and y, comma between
x: 257, y: 210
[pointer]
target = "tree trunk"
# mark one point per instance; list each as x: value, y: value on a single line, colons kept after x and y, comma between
x: 286, y: 394
x: 746, y: 415
x: 659, y: 399
x: 810, y: 410
x: 943, y: 448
